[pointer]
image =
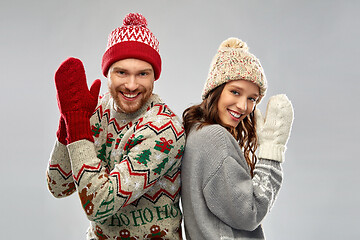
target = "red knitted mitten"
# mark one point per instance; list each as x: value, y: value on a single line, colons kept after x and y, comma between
x: 75, y: 101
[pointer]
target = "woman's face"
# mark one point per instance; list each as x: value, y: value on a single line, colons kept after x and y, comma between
x: 237, y: 100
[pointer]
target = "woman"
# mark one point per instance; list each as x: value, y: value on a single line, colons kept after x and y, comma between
x: 227, y: 189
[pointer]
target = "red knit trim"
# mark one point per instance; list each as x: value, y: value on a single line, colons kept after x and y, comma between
x: 131, y: 49
x: 61, y: 132
x: 78, y: 126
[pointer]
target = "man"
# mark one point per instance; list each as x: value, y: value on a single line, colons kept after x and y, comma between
x: 120, y: 151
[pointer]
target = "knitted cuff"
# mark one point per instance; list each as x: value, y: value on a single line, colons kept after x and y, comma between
x: 78, y: 126
x: 61, y: 132
x: 274, y: 152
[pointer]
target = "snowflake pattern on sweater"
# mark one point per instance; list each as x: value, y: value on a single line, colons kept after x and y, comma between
x: 128, y: 180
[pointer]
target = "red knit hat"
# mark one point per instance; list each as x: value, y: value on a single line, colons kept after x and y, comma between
x: 132, y: 40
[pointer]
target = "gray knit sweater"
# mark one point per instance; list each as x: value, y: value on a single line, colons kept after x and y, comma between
x: 220, y: 199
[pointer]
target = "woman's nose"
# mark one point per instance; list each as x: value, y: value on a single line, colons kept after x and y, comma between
x: 242, y: 105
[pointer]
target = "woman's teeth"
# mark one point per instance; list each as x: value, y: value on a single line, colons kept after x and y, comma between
x: 235, y: 115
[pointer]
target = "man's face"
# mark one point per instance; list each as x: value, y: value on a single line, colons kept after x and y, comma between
x: 131, y: 82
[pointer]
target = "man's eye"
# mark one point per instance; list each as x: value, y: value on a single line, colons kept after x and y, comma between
x: 143, y: 74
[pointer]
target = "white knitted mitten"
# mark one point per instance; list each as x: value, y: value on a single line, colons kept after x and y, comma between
x: 273, y: 132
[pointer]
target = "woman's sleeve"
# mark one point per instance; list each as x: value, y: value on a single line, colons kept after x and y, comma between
x: 237, y: 199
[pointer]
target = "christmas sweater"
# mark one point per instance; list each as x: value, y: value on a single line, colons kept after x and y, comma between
x: 128, y: 180
x: 220, y: 199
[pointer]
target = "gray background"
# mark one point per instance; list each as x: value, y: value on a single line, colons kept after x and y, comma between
x: 309, y: 50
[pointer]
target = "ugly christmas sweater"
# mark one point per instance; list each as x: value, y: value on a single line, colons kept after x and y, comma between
x: 220, y: 199
x: 128, y: 180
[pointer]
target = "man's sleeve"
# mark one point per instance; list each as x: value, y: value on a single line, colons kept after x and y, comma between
x: 59, y: 175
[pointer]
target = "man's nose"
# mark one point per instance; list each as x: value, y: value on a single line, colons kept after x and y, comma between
x: 131, y: 83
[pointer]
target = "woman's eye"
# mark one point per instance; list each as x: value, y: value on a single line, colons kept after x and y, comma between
x: 234, y: 92
x: 253, y: 99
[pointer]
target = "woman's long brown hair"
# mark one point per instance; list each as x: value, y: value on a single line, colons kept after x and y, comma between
x: 206, y: 113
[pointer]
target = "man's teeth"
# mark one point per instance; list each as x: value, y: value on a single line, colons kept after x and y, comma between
x: 129, y: 95
x: 235, y: 115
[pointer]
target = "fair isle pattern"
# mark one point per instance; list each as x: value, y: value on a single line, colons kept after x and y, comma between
x: 163, y: 110
x: 61, y: 171
x: 168, y: 125
x: 134, y: 28
x: 132, y: 33
x: 59, y: 174
x: 171, y: 193
x: 86, y: 168
x: 133, y: 183
x: 267, y: 179
x: 105, y: 113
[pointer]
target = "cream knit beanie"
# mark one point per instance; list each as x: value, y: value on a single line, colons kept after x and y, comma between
x: 233, y: 61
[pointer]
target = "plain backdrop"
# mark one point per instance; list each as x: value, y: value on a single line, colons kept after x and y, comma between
x: 309, y: 50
